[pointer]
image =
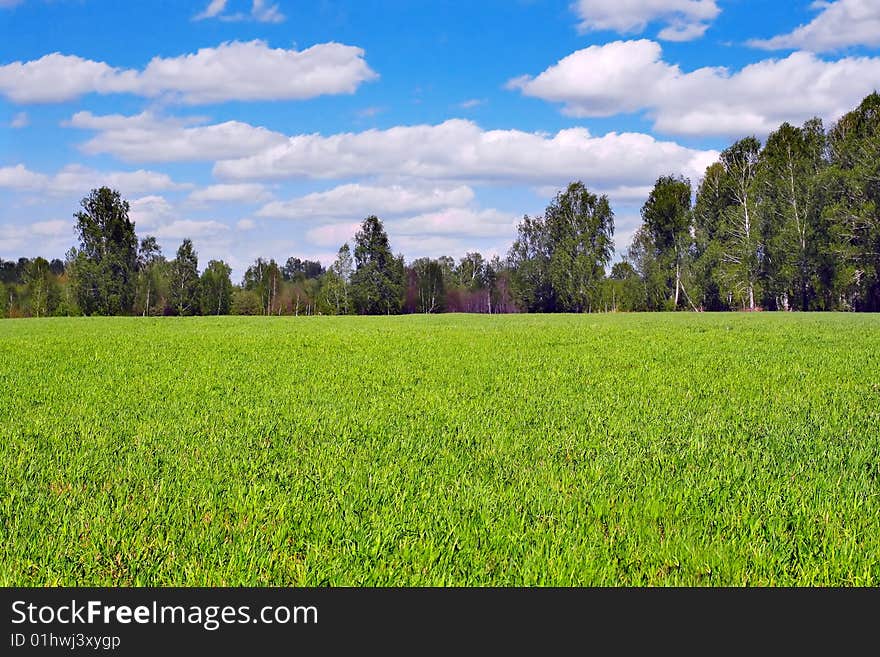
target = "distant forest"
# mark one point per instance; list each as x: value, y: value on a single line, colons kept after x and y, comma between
x: 793, y: 224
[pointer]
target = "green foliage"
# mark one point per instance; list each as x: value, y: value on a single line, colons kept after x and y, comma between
x: 246, y: 302
x: 431, y: 291
x: 851, y: 212
x: 105, y: 265
x: 297, y: 269
x: 41, y: 288
x: 581, y: 229
x: 608, y: 450
x: 788, y: 170
x: 792, y: 225
x: 742, y: 248
x: 215, y: 287
x: 664, y: 240
x: 153, y: 278
x: 560, y: 259
x: 529, y: 258
x: 264, y: 278
x: 377, y: 284
x: 652, y: 270
x: 184, y: 280
x: 336, y: 284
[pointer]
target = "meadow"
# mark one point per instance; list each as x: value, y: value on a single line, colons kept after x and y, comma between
x: 682, y: 449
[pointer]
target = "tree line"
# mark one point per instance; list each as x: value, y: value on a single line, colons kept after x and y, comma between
x: 793, y: 224
x: 113, y: 272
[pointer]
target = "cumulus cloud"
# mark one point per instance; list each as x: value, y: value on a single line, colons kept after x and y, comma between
x: 630, y: 76
x: 12, y: 238
x: 231, y: 193
x: 233, y: 70
x: 148, y: 138
x: 683, y: 20
x: 76, y: 178
x: 468, y: 222
x: 155, y: 215
x: 150, y: 211
x: 79, y: 179
x: 191, y: 229
x: 38, y: 237
x: 56, y: 78
x: 461, y: 150
x: 253, y: 71
x: 333, y: 234
x: 448, y: 231
x: 839, y: 24
x: 357, y: 200
x: 20, y: 177
x: 620, y: 195
x: 53, y: 228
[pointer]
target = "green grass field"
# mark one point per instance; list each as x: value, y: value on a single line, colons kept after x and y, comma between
x: 451, y: 450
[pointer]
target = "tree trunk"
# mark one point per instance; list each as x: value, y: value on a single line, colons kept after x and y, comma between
x: 677, y: 281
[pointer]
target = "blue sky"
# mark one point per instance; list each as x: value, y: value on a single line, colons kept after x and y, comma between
x: 271, y: 128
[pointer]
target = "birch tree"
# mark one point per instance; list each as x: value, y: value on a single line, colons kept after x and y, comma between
x: 185, y: 280
x: 742, y: 248
x: 788, y: 169
x: 667, y: 221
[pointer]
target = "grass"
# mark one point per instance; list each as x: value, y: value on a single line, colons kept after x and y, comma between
x: 451, y: 450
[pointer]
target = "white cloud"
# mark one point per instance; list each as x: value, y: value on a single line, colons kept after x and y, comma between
x: 20, y: 120
x: 839, y: 24
x: 79, y: 179
x: 253, y: 71
x: 623, y: 194
x: 232, y: 71
x: 357, y: 200
x: 56, y: 78
x: 147, y: 138
x: 40, y: 237
x: 266, y: 13
x: 457, y: 222
x: 231, y: 193
x: 20, y: 177
x: 53, y: 228
x: 150, y: 211
x: 434, y: 246
x: 333, y: 234
x: 214, y: 8
x: 472, y: 103
x: 260, y: 12
x: 369, y: 112
x: 630, y: 76
x: 684, y: 20
x: 12, y: 238
x: 154, y: 215
x: 621, y: 76
x: 448, y: 232
x: 461, y: 150
x: 245, y: 224
x: 191, y: 229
